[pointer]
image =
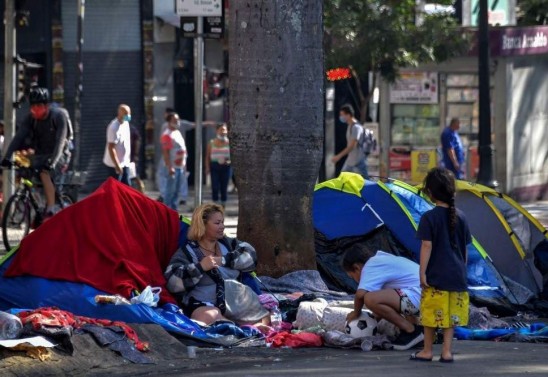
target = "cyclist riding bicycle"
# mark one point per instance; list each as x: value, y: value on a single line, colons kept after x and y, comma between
x: 46, y: 127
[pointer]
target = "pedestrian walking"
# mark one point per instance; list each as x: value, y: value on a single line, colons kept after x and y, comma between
x: 444, y: 234
x: 218, y: 164
x: 356, y: 160
x: 174, y: 155
x: 118, y: 148
x: 452, y: 149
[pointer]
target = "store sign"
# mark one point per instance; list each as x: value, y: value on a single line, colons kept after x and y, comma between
x: 415, y: 87
x: 519, y: 41
x: 422, y: 160
x: 199, y: 8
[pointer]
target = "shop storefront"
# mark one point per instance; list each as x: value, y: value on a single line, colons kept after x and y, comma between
x: 416, y: 108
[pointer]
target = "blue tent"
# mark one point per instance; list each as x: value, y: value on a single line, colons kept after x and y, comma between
x: 349, y: 210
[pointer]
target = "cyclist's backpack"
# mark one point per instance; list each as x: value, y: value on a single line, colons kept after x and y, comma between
x: 367, y: 142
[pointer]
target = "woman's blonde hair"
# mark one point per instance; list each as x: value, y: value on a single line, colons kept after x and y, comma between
x: 200, y: 217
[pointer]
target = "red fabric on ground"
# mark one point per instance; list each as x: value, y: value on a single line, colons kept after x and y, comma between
x: 287, y: 339
x: 115, y: 240
x: 53, y: 317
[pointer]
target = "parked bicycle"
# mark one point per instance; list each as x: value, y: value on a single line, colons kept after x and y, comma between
x: 24, y: 210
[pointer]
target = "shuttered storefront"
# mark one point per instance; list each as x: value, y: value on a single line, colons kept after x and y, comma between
x: 112, y: 73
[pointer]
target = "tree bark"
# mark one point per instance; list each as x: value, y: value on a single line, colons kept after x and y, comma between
x: 276, y: 132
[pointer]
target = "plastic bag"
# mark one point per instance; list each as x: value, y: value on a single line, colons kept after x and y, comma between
x: 149, y: 296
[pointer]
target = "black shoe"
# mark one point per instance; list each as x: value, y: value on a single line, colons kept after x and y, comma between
x: 408, y: 340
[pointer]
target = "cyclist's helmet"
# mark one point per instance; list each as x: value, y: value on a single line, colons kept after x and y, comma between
x: 38, y: 95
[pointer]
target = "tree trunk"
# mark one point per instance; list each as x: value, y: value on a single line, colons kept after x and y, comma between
x: 276, y: 131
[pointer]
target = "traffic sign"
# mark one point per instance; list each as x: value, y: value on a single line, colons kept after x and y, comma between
x: 199, y: 8
x: 213, y: 27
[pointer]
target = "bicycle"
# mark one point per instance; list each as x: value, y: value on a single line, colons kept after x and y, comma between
x: 23, y: 210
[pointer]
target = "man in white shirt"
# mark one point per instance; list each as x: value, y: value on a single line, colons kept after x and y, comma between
x: 118, y: 148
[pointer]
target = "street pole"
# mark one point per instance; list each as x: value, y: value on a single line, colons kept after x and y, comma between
x: 79, y: 83
x: 198, y: 108
x: 9, y: 90
x: 485, y: 174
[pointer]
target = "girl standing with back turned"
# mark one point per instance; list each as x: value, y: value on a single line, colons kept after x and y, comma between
x: 444, y: 233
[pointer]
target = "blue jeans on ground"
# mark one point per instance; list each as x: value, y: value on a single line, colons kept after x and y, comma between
x: 172, y: 187
x: 220, y: 175
x: 360, y: 168
x: 124, y: 177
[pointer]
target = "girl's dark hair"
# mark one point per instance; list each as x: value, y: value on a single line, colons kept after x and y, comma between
x: 439, y: 184
x: 356, y: 254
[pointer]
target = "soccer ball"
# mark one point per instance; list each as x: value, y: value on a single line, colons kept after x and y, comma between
x: 365, y: 325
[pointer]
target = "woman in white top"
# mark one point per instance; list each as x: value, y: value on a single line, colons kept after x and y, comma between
x: 218, y: 164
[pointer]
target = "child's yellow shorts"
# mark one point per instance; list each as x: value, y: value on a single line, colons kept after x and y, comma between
x: 443, y: 309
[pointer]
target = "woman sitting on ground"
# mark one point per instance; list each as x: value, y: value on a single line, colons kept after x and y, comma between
x: 203, y: 274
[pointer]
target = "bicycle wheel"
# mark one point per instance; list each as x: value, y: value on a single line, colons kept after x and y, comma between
x: 15, y: 221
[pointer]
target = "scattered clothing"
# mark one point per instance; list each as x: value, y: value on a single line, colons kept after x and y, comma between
x: 286, y: 339
x: 46, y: 320
x: 340, y: 339
x: 114, y: 337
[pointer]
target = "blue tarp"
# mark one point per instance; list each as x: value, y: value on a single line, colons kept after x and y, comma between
x: 32, y: 292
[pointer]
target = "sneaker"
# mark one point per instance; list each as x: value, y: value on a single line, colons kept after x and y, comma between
x: 408, y: 340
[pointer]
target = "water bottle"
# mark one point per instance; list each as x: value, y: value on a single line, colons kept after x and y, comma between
x: 276, y: 318
x: 10, y: 326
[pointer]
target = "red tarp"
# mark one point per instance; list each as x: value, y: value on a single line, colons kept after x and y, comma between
x: 115, y: 240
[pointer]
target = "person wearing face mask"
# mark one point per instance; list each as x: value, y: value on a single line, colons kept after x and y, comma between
x: 218, y: 164
x: 356, y: 161
x: 173, y: 161
x: 118, y: 148
x: 47, y: 130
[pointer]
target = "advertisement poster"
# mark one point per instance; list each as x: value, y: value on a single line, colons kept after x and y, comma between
x: 422, y: 160
x: 415, y: 87
x: 399, y: 162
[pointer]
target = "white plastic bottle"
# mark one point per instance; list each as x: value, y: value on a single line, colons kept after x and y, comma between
x: 10, y: 326
x: 276, y: 318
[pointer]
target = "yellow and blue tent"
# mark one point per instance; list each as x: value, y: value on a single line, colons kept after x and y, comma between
x: 349, y: 210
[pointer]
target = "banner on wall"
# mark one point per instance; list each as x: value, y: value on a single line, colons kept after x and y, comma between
x: 415, y: 87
